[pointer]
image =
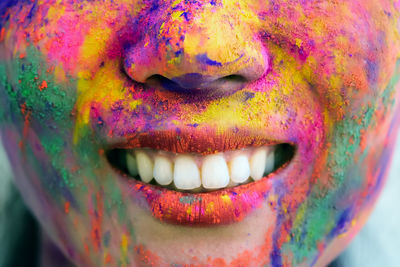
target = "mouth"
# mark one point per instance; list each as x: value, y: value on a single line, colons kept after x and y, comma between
x: 195, y: 173
x: 196, y: 189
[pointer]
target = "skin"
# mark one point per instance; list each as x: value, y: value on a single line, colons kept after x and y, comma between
x: 322, y: 75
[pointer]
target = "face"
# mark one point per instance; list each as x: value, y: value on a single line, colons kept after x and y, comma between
x: 222, y: 133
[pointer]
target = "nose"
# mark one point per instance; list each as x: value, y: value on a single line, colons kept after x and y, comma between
x: 217, y: 57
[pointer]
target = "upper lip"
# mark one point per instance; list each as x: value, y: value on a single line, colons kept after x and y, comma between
x: 185, y: 140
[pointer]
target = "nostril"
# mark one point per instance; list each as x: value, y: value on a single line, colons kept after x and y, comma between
x: 186, y: 83
x: 198, y: 84
x: 234, y: 78
x: 159, y: 81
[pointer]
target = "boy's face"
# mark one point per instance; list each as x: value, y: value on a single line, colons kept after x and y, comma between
x: 82, y: 78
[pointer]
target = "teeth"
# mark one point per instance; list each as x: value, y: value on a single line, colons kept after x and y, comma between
x: 132, y: 165
x: 217, y: 171
x: 257, y: 164
x: 214, y: 172
x: 162, y: 170
x: 145, y: 166
x: 186, y: 173
x: 239, y: 168
x: 270, y: 162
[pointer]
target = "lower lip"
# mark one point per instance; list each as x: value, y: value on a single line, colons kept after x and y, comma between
x: 220, y: 207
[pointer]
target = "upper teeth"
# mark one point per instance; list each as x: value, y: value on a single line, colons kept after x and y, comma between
x: 189, y: 172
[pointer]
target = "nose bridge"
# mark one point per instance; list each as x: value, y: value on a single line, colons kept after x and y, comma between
x: 210, y: 42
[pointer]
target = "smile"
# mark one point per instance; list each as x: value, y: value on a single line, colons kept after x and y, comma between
x: 197, y: 173
x: 200, y: 190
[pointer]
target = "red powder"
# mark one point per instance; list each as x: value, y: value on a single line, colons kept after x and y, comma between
x: 66, y: 207
x: 107, y: 258
x: 27, y: 115
x: 363, y: 139
x: 244, y: 259
x: 2, y: 33
x: 87, y: 250
x: 50, y: 69
x: 320, y: 247
x: 97, y: 217
x: 145, y: 257
x: 26, y: 123
x: 219, y: 263
x: 43, y: 85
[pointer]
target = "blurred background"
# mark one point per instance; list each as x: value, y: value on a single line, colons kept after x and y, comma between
x: 377, y: 245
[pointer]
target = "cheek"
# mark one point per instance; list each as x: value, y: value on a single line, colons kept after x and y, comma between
x: 339, y: 60
x: 71, y: 38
